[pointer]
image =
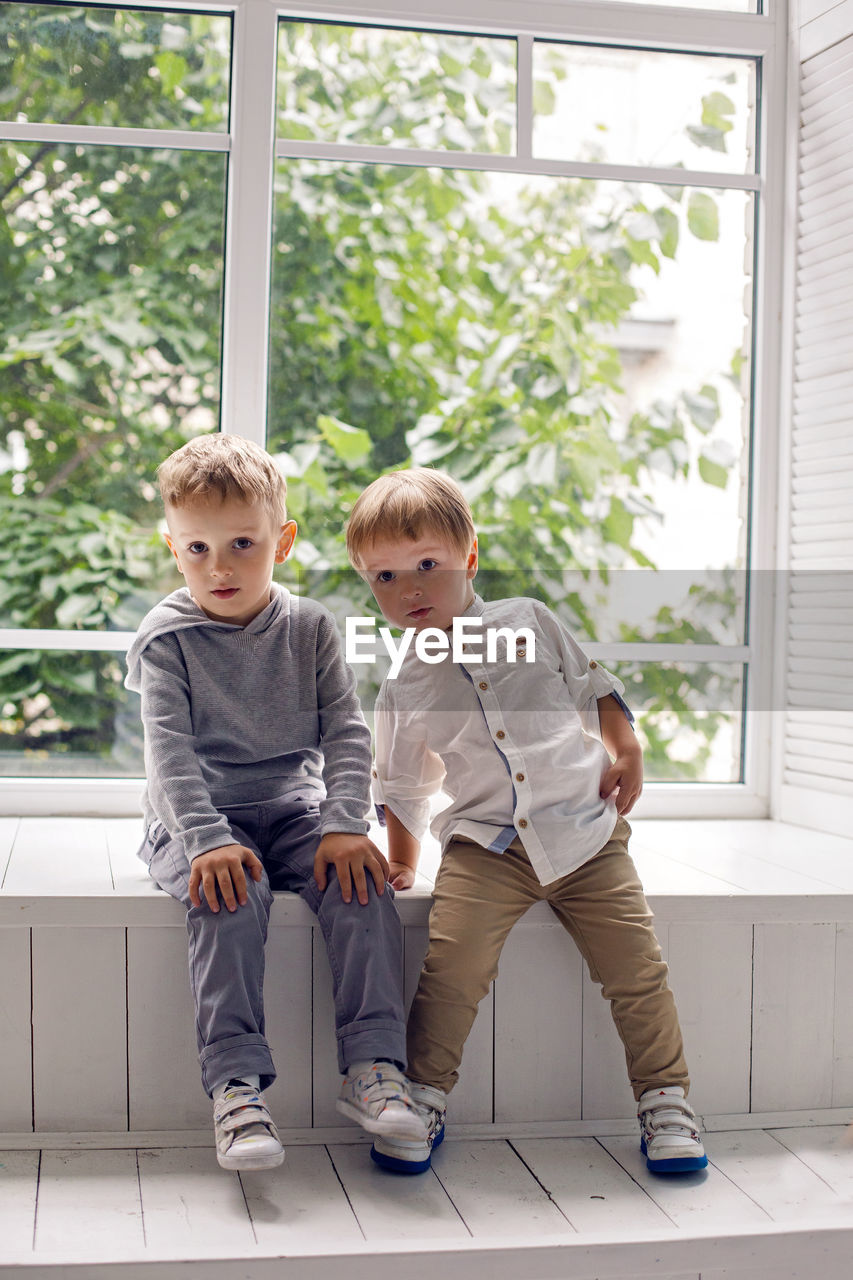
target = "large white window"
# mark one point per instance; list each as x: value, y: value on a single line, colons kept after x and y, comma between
x: 531, y: 243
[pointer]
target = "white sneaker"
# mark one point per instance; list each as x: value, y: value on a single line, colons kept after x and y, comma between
x: 246, y: 1137
x: 378, y: 1099
x: 415, y: 1156
x: 669, y: 1133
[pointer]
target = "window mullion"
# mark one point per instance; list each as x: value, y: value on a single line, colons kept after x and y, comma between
x: 524, y: 98
x: 249, y: 229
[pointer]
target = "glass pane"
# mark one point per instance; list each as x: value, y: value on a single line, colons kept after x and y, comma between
x: 67, y: 715
x: 396, y: 88
x: 145, y: 68
x: 726, y: 6
x: 533, y: 337
x: 111, y: 278
x: 640, y: 106
x: 689, y: 719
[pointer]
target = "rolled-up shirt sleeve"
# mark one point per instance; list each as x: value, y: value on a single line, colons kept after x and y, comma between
x: 406, y: 773
x: 586, y: 679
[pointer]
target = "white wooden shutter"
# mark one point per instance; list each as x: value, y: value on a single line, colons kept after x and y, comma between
x: 817, y: 785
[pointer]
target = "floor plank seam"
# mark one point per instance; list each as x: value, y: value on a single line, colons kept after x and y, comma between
x: 737, y: 1187
x: 453, y: 1203
x: 798, y: 1155
x: 537, y: 1179
x: 36, y: 1205
x: 644, y: 1190
x: 346, y: 1193
x: 141, y: 1202
x: 248, y: 1208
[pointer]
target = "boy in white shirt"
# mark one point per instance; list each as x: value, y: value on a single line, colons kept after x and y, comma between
x: 518, y: 738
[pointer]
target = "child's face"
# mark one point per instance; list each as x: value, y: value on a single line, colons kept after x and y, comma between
x: 226, y: 550
x: 423, y: 582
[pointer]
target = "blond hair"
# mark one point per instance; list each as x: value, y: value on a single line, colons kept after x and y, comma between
x: 407, y: 504
x: 223, y: 466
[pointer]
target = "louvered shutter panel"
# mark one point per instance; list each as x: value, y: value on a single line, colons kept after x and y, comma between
x: 818, y: 750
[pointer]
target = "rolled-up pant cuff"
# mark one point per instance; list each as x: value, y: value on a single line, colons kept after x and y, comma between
x: 235, y: 1057
x: 363, y: 1041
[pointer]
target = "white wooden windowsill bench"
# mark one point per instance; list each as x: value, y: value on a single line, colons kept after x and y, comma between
x: 105, y: 1145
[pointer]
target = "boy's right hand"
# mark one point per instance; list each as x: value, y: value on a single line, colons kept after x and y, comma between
x: 222, y: 869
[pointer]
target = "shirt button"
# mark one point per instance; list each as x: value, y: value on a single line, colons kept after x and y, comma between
x: 592, y: 664
x: 519, y: 777
x: 375, y: 774
x: 522, y: 822
x: 500, y: 734
x: 483, y: 684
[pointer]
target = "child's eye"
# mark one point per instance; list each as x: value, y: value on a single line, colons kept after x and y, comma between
x: 426, y: 565
x: 243, y: 544
x: 197, y: 548
x: 385, y: 575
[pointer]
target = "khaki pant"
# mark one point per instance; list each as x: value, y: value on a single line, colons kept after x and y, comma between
x: 478, y: 897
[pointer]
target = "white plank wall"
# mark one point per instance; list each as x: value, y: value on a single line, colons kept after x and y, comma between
x: 755, y: 921
x: 79, y: 1028
x: 16, y: 1061
x: 793, y: 1017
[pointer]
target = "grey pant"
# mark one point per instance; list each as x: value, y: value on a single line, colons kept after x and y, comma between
x: 226, y: 949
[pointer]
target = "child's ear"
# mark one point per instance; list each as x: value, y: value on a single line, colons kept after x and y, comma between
x: 285, y: 541
x: 171, y: 545
x: 471, y: 570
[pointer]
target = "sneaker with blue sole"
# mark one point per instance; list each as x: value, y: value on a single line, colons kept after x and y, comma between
x: 399, y: 1156
x: 669, y: 1134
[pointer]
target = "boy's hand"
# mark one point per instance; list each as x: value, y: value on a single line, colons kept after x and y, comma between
x: 353, y: 857
x: 626, y: 773
x: 223, y: 868
x: 400, y: 875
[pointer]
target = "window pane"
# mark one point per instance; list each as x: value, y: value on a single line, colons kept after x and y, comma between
x: 640, y: 106
x: 396, y: 88
x: 145, y: 68
x: 531, y: 336
x: 110, y: 358
x: 67, y: 715
x: 689, y: 719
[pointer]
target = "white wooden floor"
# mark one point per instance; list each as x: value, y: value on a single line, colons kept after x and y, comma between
x: 775, y: 1203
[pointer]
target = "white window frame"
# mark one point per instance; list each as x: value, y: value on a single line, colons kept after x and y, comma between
x: 251, y: 147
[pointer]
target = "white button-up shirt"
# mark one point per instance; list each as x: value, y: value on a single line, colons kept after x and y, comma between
x: 515, y: 745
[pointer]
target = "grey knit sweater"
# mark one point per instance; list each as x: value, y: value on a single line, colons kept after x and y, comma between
x: 236, y: 715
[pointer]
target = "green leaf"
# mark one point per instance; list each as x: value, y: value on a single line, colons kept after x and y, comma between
x: 173, y: 70
x: 544, y: 98
x: 704, y: 407
x: 668, y: 230
x: 716, y: 107
x: 703, y: 217
x: 712, y: 473
x: 707, y: 136
x: 74, y: 610
x: 351, y: 444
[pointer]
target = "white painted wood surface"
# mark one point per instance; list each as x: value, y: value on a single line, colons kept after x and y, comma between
x: 89, y: 1205
x: 300, y: 1204
x: 710, y: 972
x: 79, y: 1028
x: 793, y: 1016
x: 212, y: 1221
x: 19, y: 1176
x: 16, y: 1059
x: 544, y: 1021
x: 586, y: 1207
x: 495, y: 1194
x: 539, y: 1026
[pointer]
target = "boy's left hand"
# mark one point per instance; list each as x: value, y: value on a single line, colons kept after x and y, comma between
x: 626, y: 773
x: 353, y: 857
